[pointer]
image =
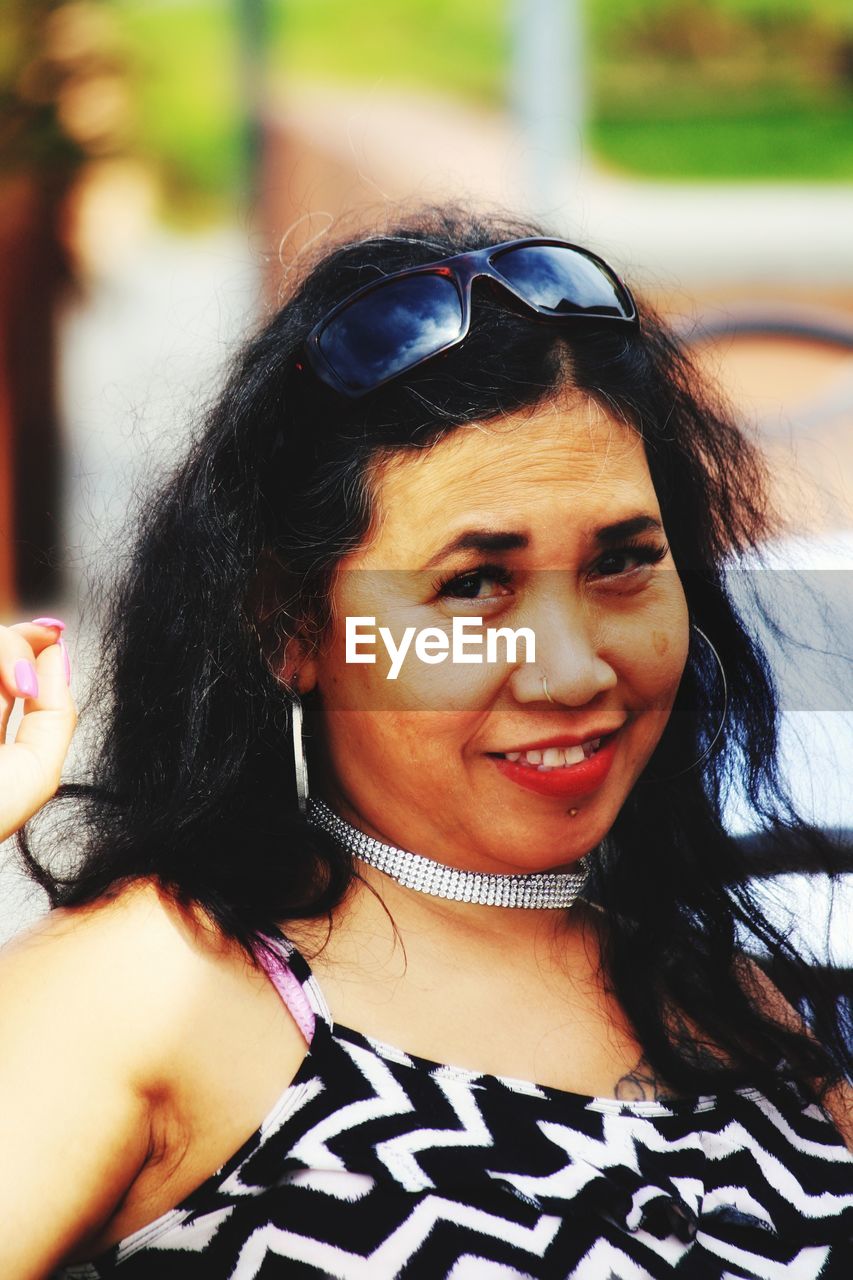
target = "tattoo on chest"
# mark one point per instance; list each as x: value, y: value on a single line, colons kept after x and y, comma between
x: 642, y: 1085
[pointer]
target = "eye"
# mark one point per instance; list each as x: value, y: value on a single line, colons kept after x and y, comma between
x: 611, y: 565
x: 467, y: 586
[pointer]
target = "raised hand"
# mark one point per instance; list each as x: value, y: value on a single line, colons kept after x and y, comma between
x: 33, y: 666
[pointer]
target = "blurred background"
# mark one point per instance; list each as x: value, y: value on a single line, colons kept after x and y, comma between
x: 163, y: 163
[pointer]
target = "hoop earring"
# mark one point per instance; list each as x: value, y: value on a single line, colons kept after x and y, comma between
x: 707, y: 750
x: 300, y: 765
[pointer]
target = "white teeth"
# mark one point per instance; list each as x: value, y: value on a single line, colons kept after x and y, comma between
x: 556, y: 757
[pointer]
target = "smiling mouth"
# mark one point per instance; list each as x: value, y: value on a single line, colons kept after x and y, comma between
x: 547, y: 759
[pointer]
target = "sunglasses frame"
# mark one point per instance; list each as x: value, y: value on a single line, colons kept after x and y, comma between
x: 462, y: 269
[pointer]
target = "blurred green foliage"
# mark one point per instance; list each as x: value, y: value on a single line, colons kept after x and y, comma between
x: 456, y: 46
x: 727, y: 89
x: 186, y: 89
x: 677, y: 88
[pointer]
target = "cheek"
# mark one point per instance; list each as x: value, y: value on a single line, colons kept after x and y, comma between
x: 667, y: 657
x: 427, y: 696
x: 453, y: 695
x: 385, y: 742
x: 653, y: 653
x: 660, y: 643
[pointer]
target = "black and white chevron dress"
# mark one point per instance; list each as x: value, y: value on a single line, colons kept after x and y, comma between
x: 376, y: 1164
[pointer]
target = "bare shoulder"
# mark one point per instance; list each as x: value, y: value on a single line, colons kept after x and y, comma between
x: 838, y: 1103
x: 132, y: 971
x: 758, y: 983
x: 105, y: 957
x: 67, y: 989
x: 144, y: 1011
x: 138, y: 904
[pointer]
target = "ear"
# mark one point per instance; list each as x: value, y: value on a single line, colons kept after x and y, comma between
x: 285, y: 635
x: 299, y: 666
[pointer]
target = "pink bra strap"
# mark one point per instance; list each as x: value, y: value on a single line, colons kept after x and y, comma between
x: 291, y: 991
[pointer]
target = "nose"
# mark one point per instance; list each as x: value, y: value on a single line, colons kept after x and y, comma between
x: 567, y: 653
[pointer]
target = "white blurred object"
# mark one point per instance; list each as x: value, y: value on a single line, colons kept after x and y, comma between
x: 819, y: 924
x: 808, y: 583
x: 548, y: 93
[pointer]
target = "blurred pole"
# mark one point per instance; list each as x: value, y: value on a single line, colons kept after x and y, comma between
x: 548, y: 96
x: 252, y: 35
x: 41, y: 160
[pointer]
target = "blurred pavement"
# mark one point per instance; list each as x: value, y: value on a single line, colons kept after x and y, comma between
x: 333, y: 149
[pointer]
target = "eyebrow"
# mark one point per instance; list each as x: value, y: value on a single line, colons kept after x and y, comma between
x: 486, y: 540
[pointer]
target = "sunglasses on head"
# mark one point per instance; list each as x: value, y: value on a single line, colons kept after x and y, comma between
x: 399, y: 321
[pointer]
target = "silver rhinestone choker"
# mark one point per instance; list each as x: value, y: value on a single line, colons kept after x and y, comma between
x: 414, y: 871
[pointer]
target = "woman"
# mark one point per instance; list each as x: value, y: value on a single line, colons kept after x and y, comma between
x: 462, y: 876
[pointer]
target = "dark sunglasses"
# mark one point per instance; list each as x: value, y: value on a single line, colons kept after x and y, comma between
x: 399, y: 321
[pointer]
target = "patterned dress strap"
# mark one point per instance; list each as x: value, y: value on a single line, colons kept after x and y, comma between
x: 291, y: 976
x: 280, y: 973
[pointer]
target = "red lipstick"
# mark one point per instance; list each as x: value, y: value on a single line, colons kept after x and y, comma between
x: 566, y: 739
x: 569, y: 782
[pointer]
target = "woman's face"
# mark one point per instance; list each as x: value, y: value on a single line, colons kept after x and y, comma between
x: 511, y: 522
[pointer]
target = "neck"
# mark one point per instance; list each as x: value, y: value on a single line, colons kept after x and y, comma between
x: 386, y: 929
x: 481, y: 926
x: 428, y: 877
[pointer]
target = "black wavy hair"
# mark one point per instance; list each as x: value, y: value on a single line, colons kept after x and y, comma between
x: 192, y: 780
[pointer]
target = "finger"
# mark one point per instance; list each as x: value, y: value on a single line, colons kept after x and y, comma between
x: 19, y: 646
x: 31, y: 766
x: 39, y: 633
x: 18, y: 676
x: 53, y: 675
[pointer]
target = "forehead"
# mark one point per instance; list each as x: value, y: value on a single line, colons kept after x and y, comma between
x: 569, y: 462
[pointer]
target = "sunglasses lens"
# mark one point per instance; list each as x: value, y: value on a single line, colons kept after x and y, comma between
x: 563, y: 281
x: 390, y: 329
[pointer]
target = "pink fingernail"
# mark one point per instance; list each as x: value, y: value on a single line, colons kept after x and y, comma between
x: 49, y: 622
x: 65, y: 659
x: 26, y: 679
